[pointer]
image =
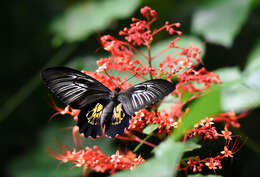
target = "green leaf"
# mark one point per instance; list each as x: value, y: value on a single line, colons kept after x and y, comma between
x: 252, y: 80
x: 203, y: 107
x: 200, y: 175
x: 150, y: 128
x: 219, y: 21
x: 241, y: 89
x: 88, y: 17
x: 87, y: 63
x: 240, y: 97
x: 255, y: 4
x: 169, y: 101
x: 167, y: 156
x: 229, y: 74
x: 253, y: 61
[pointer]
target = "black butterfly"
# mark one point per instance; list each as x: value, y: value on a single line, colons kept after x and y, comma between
x: 99, y: 105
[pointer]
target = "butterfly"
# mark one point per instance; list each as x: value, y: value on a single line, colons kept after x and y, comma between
x: 100, y: 108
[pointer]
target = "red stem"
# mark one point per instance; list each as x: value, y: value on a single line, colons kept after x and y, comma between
x: 135, y: 138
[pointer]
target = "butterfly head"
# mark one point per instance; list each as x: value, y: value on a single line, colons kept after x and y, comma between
x: 113, y: 95
x: 117, y: 89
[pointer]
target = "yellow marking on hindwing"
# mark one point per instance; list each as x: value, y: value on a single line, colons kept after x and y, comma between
x: 94, y: 114
x: 118, y: 115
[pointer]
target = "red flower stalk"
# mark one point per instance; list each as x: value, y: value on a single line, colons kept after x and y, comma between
x: 212, y: 163
x: 67, y: 110
x: 230, y: 118
x: 140, y: 32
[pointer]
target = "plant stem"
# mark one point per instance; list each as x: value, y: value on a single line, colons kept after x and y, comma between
x: 149, y: 60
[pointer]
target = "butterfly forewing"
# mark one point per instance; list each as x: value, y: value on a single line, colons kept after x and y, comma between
x: 73, y: 87
x: 145, y: 94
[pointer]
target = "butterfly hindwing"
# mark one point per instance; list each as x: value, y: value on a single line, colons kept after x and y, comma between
x: 73, y: 87
x: 144, y: 94
x: 89, y: 119
x: 118, y: 123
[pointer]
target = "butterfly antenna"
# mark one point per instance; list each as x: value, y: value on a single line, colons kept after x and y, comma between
x: 105, y: 71
x: 129, y: 78
x: 99, y: 41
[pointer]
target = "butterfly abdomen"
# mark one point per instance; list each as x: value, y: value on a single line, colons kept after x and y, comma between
x: 107, y: 113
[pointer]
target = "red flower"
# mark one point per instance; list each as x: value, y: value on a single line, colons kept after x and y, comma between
x: 227, y: 152
x: 98, y: 160
x: 226, y: 134
x: 166, y: 120
x: 230, y: 118
x: 212, y: 164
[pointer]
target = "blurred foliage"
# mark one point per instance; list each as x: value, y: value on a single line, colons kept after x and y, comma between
x: 39, y: 163
x: 200, y: 175
x: 220, y: 21
x: 167, y: 157
x: 87, y: 17
x: 60, y: 33
x: 241, y: 85
x: 210, y: 104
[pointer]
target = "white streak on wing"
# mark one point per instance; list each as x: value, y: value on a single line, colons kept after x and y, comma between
x: 82, y: 85
x: 74, y: 90
x: 146, y: 97
x: 149, y: 93
x: 155, y: 90
x: 90, y: 80
x: 67, y: 87
x: 59, y: 80
x: 73, y: 76
x: 134, y: 101
x: 60, y: 84
x: 140, y: 98
x: 75, y: 97
x: 78, y: 93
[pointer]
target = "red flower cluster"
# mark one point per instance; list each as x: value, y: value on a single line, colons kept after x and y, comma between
x: 165, y: 121
x: 181, y: 66
x: 98, y: 160
x: 202, y: 77
x: 212, y: 163
x: 184, y: 60
x: 206, y: 130
x: 123, y: 58
x: 230, y: 118
x: 140, y: 32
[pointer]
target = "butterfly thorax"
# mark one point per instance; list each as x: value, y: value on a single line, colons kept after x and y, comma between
x: 114, y: 94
